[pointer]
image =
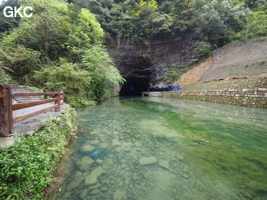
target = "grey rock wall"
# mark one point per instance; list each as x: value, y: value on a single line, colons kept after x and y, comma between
x: 148, y: 61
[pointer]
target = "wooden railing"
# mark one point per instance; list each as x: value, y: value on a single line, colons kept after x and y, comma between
x: 6, y: 107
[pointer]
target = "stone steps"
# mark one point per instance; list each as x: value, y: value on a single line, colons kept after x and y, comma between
x: 17, y: 89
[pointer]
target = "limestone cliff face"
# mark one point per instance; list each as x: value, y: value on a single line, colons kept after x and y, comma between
x: 146, y: 63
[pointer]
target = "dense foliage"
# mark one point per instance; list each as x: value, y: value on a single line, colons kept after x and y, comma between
x: 68, y: 30
x: 26, y: 166
x: 216, y: 22
x: 63, y: 77
x: 60, y: 31
x: 3, y: 67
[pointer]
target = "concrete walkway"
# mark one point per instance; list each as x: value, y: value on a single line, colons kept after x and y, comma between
x: 31, y: 125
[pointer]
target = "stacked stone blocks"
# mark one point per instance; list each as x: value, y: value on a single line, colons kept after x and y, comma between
x: 247, y: 97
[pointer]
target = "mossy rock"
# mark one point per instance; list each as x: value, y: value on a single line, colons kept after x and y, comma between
x: 160, y: 138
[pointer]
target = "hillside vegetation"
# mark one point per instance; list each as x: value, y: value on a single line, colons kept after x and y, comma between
x: 61, y: 45
x: 216, y: 22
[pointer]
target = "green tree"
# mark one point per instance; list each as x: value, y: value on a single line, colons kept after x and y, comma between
x: 8, y: 23
x: 55, y: 30
x: 104, y: 76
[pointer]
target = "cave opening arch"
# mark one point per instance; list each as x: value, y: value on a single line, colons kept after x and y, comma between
x: 134, y: 86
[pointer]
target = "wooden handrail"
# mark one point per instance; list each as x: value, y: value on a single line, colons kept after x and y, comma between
x: 6, y: 107
x: 32, y: 114
x: 34, y: 94
x: 30, y: 104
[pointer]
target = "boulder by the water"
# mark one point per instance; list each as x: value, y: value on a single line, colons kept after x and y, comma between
x: 98, y: 154
x: 174, y: 87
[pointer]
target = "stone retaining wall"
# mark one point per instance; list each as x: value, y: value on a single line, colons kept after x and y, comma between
x: 246, y: 97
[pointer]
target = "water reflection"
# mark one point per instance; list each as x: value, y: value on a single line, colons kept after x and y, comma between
x: 159, y: 148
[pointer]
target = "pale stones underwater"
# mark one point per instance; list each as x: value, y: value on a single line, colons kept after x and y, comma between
x: 87, y: 148
x: 128, y: 172
x: 133, y: 171
x: 138, y: 166
x: 147, y: 160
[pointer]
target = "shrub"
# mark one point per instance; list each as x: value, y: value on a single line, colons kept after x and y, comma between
x: 69, y: 77
x: 26, y: 166
x: 104, y: 76
x: 204, y: 49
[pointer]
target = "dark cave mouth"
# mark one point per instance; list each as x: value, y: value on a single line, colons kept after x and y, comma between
x: 134, y: 86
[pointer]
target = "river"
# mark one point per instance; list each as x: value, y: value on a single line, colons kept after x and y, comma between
x: 152, y: 148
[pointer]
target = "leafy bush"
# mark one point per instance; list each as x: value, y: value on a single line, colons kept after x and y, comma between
x: 204, y: 49
x: 69, y: 77
x: 3, y: 76
x: 26, y: 166
x: 255, y: 28
x: 174, y: 71
x: 104, y: 76
x: 55, y: 29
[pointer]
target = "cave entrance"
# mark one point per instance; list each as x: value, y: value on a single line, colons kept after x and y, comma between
x: 134, y: 86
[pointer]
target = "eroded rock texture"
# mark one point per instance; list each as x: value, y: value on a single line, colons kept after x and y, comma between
x: 143, y: 65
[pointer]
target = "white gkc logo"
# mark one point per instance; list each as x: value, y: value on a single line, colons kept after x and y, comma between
x: 10, y: 12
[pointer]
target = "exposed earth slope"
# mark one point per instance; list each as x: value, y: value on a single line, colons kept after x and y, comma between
x: 235, y: 61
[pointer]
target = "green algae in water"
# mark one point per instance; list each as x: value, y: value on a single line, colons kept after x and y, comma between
x: 197, y: 150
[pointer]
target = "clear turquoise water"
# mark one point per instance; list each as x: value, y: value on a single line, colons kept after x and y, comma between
x: 197, y: 151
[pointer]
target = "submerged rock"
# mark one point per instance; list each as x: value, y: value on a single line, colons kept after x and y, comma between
x: 115, y: 142
x: 98, y: 154
x: 119, y: 195
x: 95, y: 142
x: 84, y: 193
x: 94, y: 187
x: 179, y: 157
x: 99, y: 161
x: 147, y: 161
x: 185, y: 175
x: 164, y: 164
x: 76, y: 181
x: 97, y: 171
x: 104, y: 188
x: 95, y: 191
x: 67, y: 195
x: 87, y: 148
x: 138, y: 144
x: 85, y: 163
x: 90, y: 180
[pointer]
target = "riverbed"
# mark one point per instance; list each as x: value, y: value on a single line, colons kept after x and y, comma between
x: 152, y: 148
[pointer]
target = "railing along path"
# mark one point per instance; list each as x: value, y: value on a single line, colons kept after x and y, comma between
x: 6, y: 106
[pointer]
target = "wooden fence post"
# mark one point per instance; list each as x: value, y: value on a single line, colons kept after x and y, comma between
x: 62, y: 96
x: 45, y: 96
x: 57, y: 96
x: 6, y: 116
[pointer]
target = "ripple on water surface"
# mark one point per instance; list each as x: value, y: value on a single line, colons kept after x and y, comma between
x: 163, y: 149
